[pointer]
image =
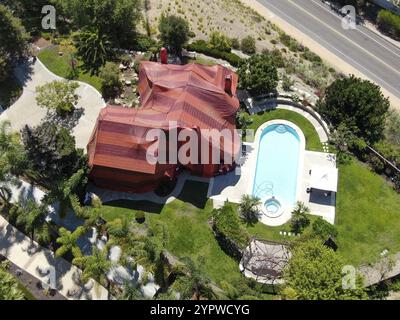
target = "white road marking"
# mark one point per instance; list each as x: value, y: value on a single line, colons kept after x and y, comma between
x: 328, y: 45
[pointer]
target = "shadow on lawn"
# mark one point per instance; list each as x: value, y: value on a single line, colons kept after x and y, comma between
x: 193, y: 192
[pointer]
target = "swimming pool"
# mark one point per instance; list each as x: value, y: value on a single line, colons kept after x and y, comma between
x: 276, y: 173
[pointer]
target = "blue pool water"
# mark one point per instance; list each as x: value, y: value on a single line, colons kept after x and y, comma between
x: 277, y: 164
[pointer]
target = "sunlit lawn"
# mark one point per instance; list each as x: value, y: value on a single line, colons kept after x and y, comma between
x: 60, y: 65
x: 368, y: 214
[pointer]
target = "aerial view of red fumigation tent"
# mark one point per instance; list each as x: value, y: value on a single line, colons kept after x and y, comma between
x: 192, y: 97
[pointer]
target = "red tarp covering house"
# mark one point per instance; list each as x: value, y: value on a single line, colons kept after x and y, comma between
x: 191, y: 97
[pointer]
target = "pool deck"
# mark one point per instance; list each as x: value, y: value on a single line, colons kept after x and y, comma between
x: 232, y: 186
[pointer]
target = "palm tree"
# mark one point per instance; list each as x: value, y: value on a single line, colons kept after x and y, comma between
x: 95, y: 266
x: 68, y: 241
x: 32, y: 217
x: 62, y: 191
x: 248, y: 209
x: 94, y: 48
x: 9, y: 151
x: 193, y: 283
x: 119, y: 229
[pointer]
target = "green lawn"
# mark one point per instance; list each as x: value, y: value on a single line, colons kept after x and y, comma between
x: 60, y: 65
x: 367, y: 216
x: 189, y: 232
x: 263, y: 232
x: 313, y: 142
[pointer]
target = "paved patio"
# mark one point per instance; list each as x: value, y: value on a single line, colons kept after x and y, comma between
x: 232, y: 186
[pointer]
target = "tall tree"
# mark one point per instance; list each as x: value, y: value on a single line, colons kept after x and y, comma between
x: 95, y: 266
x: 68, y: 241
x: 32, y: 218
x: 51, y: 153
x: 314, y: 272
x: 13, y: 41
x: 174, y: 32
x: 258, y: 74
x: 58, y: 95
x: 114, y: 19
x: 10, y: 153
x: 357, y: 103
x: 62, y: 191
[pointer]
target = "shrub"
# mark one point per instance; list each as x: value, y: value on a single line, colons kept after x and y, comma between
x: 389, y: 22
x: 220, y: 42
x: 311, y: 56
x: 235, y: 43
x: 248, y: 45
x: 111, y: 85
x: 258, y: 74
x: 289, y: 42
x: 140, y: 216
x: 144, y: 43
x: 231, y: 236
x: 58, y: 95
x: 323, y: 229
x: 202, y: 47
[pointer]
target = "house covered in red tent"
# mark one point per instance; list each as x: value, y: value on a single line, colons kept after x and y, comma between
x: 191, y: 97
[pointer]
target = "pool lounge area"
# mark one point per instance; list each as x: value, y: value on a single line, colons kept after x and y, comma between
x: 277, y: 169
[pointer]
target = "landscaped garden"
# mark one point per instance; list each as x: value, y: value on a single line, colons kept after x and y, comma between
x: 58, y: 60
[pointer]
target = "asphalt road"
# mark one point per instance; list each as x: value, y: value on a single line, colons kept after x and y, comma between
x: 372, y: 55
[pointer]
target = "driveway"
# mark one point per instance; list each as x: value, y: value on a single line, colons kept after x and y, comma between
x: 25, y: 111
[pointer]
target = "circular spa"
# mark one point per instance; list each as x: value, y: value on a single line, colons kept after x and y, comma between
x: 272, y: 207
x: 276, y: 172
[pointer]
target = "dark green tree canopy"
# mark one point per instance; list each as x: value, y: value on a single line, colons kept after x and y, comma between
x: 13, y: 41
x: 174, y: 32
x: 314, y: 272
x: 357, y: 103
x: 258, y: 74
x: 94, y: 48
x: 51, y: 153
x: 117, y: 19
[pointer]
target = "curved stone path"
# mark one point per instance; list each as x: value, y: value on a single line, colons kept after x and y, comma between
x: 26, y: 111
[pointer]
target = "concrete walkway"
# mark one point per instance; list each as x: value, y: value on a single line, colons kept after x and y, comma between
x: 26, y: 111
x: 41, y: 263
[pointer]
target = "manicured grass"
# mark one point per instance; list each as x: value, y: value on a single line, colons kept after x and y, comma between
x: 313, y: 142
x: 60, y: 65
x: 188, y: 229
x: 264, y: 232
x: 367, y: 216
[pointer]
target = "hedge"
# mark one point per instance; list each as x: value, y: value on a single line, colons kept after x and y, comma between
x: 389, y: 22
x: 201, y: 46
x: 230, y: 234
